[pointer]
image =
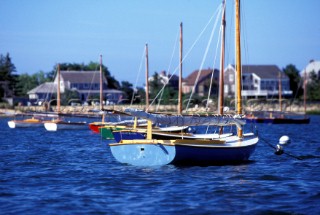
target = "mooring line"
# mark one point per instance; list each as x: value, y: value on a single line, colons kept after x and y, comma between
x: 282, y: 151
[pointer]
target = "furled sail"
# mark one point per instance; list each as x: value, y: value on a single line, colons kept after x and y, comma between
x: 189, y: 120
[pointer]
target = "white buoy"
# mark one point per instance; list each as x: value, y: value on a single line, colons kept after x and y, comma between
x: 284, y: 140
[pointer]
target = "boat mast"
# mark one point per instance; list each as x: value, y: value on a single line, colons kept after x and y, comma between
x: 180, y: 74
x: 305, y: 91
x: 238, y: 63
x: 149, y: 123
x: 221, y: 78
x: 147, y: 76
x: 280, y: 91
x: 58, y: 90
x: 101, y: 88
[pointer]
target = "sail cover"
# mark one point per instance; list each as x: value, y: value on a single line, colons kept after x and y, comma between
x: 189, y: 120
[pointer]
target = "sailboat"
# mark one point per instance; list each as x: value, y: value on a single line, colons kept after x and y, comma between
x: 163, y: 132
x: 94, y: 126
x: 224, y: 149
x: 59, y: 124
x: 26, y: 123
x: 280, y: 117
x: 136, y: 128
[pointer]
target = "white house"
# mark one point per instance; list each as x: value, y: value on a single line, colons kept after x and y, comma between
x: 85, y: 83
x: 258, y: 81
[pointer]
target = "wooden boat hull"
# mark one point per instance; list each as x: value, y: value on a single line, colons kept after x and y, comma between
x: 54, y: 126
x: 204, y: 155
x: 144, y: 154
x: 280, y: 120
x: 24, y: 124
x: 291, y: 121
x: 227, y: 150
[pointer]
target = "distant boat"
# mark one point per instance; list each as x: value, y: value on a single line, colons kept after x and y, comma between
x: 221, y: 150
x: 277, y: 117
x: 26, y: 123
x: 280, y: 117
x: 94, y: 126
x: 59, y: 124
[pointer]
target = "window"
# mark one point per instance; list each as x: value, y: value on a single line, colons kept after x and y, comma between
x: 231, y: 78
x: 226, y: 89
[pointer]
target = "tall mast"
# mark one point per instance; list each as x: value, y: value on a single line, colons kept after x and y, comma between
x: 58, y: 90
x: 101, y: 85
x: 238, y: 63
x: 280, y: 92
x: 147, y: 77
x: 180, y: 73
x: 305, y: 91
x: 221, y: 78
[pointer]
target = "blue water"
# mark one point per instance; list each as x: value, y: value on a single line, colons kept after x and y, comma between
x: 73, y: 172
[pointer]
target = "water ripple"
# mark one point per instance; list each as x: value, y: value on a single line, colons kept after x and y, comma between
x: 73, y: 172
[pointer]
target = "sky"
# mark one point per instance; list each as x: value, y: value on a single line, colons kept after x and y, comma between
x: 40, y: 34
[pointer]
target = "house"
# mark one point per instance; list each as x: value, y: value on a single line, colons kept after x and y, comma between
x: 258, y: 81
x: 85, y: 83
x: 200, y: 81
x: 43, y: 92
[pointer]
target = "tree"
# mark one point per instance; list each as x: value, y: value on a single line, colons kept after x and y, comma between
x: 7, y: 76
x: 127, y: 87
x: 313, y: 87
x: 295, y: 80
x: 155, y: 86
x: 26, y: 82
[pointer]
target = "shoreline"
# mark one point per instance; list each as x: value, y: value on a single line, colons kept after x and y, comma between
x: 313, y: 108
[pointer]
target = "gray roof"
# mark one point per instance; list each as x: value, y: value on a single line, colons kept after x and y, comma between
x: 263, y: 71
x: 48, y: 87
x: 82, y: 76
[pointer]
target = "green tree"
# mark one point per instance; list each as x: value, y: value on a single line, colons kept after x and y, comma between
x: 127, y: 87
x: 26, y: 82
x: 168, y: 93
x: 313, y: 87
x: 7, y: 76
x: 295, y: 80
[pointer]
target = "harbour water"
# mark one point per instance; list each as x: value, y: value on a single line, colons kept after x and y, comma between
x: 73, y: 172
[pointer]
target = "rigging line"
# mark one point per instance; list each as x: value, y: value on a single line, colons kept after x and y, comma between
x: 158, y: 105
x: 214, y: 63
x: 270, y: 145
x: 204, y: 57
x: 190, y: 49
x: 139, y: 71
x: 93, y: 76
x: 173, y: 51
x: 169, y: 67
x: 244, y: 32
x: 295, y: 96
x: 51, y: 88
